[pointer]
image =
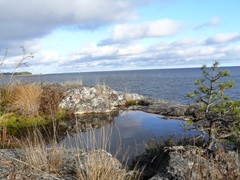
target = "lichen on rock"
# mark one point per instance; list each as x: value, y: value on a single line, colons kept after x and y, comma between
x: 98, y: 99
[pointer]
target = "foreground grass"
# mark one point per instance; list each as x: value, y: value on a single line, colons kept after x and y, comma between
x: 24, y: 105
x: 89, y: 161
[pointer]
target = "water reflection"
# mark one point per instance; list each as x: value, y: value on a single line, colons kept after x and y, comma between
x: 130, y: 128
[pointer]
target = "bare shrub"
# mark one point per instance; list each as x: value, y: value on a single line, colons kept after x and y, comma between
x: 50, y: 99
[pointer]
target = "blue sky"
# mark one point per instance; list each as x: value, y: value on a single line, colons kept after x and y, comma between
x: 104, y: 35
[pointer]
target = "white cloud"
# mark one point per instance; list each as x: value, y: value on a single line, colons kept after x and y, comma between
x: 136, y: 56
x: 92, y: 57
x: 223, y: 38
x: 215, y: 21
x: 158, y: 28
x: 188, y: 42
x: 25, y: 19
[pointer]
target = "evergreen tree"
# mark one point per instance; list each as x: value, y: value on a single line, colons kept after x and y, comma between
x: 221, y: 113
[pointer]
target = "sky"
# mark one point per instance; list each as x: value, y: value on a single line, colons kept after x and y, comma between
x: 107, y: 35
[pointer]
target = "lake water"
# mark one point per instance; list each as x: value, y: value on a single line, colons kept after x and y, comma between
x: 172, y: 84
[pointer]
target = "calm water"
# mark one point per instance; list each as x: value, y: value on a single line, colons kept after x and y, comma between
x: 133, y: 128
x: 172, y: 84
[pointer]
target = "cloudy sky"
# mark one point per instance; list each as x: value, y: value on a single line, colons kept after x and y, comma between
x: 103, y: 35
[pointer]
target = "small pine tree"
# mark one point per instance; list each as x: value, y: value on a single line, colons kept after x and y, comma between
x: 221, y: 113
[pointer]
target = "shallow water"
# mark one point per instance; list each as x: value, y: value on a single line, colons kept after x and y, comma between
x: 133, y: 128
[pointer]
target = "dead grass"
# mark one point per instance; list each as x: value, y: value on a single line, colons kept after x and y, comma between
x: 38, y: 155
x: 5, y: 98
x: 24, y: 98
x: 99, y: 164
x: 77, y: 83
x: 224, y: 165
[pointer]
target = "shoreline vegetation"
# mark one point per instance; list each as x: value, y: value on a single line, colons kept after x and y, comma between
x: 23, y: 73
x: 43, y: 113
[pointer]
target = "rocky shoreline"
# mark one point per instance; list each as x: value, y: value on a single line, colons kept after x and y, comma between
x: 102, y: 99
x: 176, y: 162
x: 172, y: 163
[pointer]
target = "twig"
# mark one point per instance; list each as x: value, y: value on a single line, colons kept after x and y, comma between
x: 21, y: 62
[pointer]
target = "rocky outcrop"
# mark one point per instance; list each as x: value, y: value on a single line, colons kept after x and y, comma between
x: 75, y: 164
x: 189, y: 162
x: 102, y: 99
x: 98, y: 99
x: 163, y: 107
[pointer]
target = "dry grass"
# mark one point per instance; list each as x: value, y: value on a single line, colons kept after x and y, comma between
x: 24, y: 98
x: 90, y: 157
x: 77, y: 83
x: 31, y: 98
x: 38, y: 155
x: 99, y: 164
x: 5, y: 98
x: 222, y: 166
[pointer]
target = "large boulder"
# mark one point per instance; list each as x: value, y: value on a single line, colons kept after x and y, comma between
x: 98, y: 99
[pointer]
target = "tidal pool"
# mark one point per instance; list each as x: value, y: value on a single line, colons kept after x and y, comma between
x: 130, y: 129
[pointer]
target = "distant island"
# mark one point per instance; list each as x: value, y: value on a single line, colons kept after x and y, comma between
x: 24, y: 73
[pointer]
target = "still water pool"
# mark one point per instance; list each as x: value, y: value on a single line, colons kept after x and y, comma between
x: 131, y: 129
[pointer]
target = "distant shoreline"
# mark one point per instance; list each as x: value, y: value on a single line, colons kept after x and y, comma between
x: 25, y: 73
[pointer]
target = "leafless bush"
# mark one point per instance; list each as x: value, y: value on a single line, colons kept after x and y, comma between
x: 50, y: 99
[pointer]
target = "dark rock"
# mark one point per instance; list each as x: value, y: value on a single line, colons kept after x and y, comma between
x: 160, y: 106
x: 188, y: 162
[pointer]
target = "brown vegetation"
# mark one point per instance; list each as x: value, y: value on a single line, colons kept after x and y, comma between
x: 24, y: 98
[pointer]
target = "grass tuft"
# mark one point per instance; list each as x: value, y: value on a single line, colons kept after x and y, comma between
x: 40, y: 156
x: 24, y: 98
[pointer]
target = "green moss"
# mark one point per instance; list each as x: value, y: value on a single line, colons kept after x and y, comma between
x: 131, y: 102
x: 19, y: 121
x: 137, y: 102
x: 61, y: 115
x: 13, y: 120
